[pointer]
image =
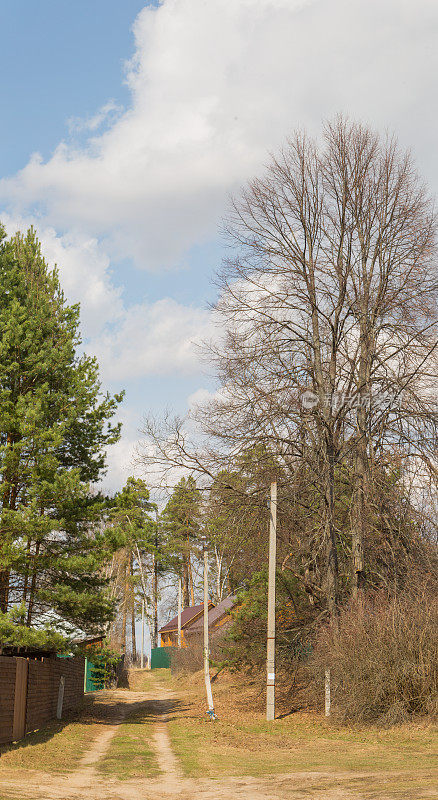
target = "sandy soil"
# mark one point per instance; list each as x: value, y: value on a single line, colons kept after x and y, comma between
x: 86, y: 783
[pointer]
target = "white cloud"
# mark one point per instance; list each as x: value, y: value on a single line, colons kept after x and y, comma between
x: 201, y: 397
x: 214, y: 85
x: 120, y: 456
x: 154, y: 339
x: 130, y: 342
x: 93, y: 123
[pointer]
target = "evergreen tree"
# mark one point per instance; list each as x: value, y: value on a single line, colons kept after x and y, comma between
x: 132, y: 531
x: 181, y: 527
x: 54, y: 428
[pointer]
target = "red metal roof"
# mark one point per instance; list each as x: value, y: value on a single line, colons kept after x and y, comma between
x: 215, y: 614
x: 186, y: 616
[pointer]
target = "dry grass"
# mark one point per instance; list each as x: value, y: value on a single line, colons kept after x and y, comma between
x: 144, y: 680
x: 383, y: 656
x: 58, y: 747
x: 241, y: 742
x: 130, y: 754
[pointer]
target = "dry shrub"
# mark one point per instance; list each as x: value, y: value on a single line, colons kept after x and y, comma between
x: 383, y: 656
x: 189, y: 659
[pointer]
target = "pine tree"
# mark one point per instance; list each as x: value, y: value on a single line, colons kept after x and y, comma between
x: 181, y: 526
x: 54, y: 428
x: 132, y: 531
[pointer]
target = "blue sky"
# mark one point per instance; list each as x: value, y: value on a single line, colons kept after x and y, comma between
x: 62, y: 60
x: 126, y: 125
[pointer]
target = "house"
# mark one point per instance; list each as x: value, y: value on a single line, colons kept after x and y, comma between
x: 169, y: 632
x: 218, y: 617
x: 192, y: 622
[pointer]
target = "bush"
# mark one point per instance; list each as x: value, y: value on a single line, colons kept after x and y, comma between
x: 383, y: 656
x: 244, y: 647
x: 106, y: 664
x: 191, y: 658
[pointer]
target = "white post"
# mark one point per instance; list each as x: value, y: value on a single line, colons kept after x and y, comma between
x: 179, y: 611
x: 60, y: 697
x: 142, y: 636
x: 327, y: 693
x: 206, y: 646
x: 270, y: 649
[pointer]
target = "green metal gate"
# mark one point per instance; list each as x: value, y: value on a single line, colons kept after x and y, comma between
x: 93, y: 677
x: 160, y: 657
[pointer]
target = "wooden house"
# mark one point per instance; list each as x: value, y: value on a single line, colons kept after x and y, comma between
x: 192, y: 622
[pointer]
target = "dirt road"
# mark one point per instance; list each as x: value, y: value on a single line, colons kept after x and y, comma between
x: 87, y: 783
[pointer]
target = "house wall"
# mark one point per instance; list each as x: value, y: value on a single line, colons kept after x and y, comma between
x: 171, y: 639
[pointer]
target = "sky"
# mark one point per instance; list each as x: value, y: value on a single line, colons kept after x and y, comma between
x: 127, y: 126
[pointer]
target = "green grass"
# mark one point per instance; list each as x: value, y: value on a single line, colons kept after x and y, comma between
x: 129, y: 754
x: 144, y: 680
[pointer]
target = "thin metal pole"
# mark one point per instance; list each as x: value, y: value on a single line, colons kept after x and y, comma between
x: 155, y: 588
x: 270, y: 649
x: 206, y: 645
x: 179, y: 611
x: 142, y: 635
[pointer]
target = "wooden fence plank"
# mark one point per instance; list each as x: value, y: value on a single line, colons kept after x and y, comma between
x: 19, y: 725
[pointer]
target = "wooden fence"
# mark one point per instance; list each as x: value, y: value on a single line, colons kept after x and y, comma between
x: 30, y: 692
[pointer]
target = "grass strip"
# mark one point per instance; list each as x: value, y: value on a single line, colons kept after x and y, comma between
x: 130, y: 754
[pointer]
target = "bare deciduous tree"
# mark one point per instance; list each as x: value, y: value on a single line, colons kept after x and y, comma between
x: 328, y: 320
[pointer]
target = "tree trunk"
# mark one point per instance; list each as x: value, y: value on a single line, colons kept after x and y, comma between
x: 133, y: 639
x: 125, y: 613
x: 332, y: 575
x: 219, y: 559
x: 185, y: 582
x: 155, y: 602
x: 358, y: 524
x: 358, y: 511
x: 33, y: 586
x: 4, y: 590
x: 190, y: 572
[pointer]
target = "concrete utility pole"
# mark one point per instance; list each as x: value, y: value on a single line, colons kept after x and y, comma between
x: 206, y: 645
x: 270, y: 649
x: 142, y: 635
x: 179, y: 611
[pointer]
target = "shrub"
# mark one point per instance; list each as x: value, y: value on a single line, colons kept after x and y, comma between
x: 245, y: 642
x: 383, y: 657
x: 106, y: 664
x: 189, y: 659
